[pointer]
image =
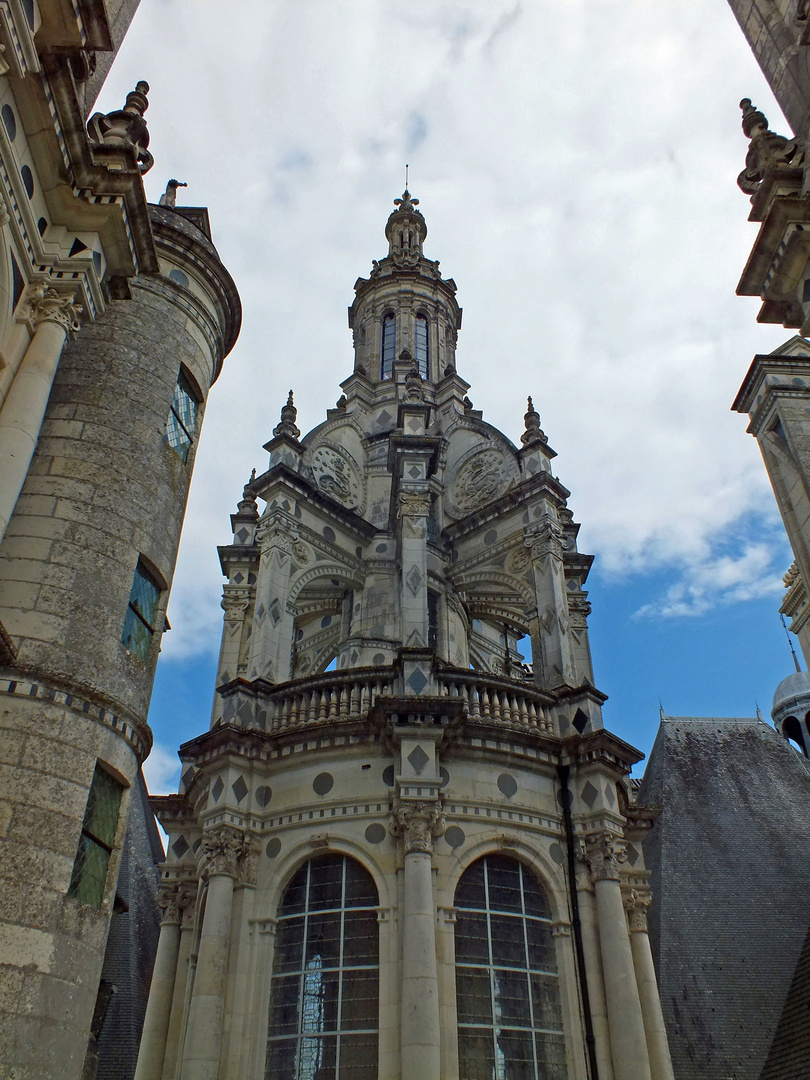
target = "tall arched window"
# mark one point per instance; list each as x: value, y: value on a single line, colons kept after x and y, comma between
x: 507, y: 990
x: 389, y: 345
x: 324, y: 992
x: 421, y: 344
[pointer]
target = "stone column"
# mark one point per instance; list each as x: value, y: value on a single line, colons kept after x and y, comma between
x: 161, y: 991
x: 417, y: 824
x: 51, y: 316
x: 187, y: 903
x: 628, y: 1042
x: 223, y: 849
x: 593, y: 969
x: 636, y: 904
x: 545, y: 539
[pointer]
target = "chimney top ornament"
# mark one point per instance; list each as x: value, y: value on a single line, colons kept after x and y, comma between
x: 125, y: 128
x: 287, y: 426
x: 533, y: 433
x: 766, y: 151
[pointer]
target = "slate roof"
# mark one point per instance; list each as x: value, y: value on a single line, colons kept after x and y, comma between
x: 730, y: 876
x: 132, y: 942
x: 789, y: 1057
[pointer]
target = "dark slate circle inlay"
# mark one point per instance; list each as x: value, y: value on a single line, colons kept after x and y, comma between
x: 263, y: 795
x: 388, y: 776
x: 42, y: 225
x: 9, y: 122
x: 328, y: 534
x: 507, y: 785
x: 28, y: 180
x: 322, y: 784
x: 273, y: 847
x: 179, y: 277
x: 375, y: 834
x: 557, y: 854
x: 378, y: 658
x: 445, y: 775
x: 455, y: 836
x: 491, y: 537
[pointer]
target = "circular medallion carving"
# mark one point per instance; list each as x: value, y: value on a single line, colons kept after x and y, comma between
x: 479, y: 480
x: 518, y: 559
x: 336, y: 477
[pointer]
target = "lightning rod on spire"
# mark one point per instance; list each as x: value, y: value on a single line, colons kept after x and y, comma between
x: 790, y: 643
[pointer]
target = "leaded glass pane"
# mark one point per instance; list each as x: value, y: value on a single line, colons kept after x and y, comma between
x: 472, y: 940
x: 89, y: 877
x: 182, y: 420
x: 89, y: 872
x: 325, y: 980
x: 389, y: 346
x: 358, y: 1057
x: 507, y: 992
x: 422, y: 345
x: 141, y: 613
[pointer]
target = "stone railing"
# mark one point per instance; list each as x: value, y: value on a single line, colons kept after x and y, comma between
x: 497, y: 700
x: 331, y: 698
x: 337, y: 698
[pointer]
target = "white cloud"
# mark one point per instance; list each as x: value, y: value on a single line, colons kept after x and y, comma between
x: 161, y: 770
x: 576, y: 165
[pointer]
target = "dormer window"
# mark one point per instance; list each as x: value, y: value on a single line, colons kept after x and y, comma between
x: 389, y: 345
x: 421, y: 344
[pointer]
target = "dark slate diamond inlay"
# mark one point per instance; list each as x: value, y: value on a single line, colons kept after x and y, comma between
x: 632, y: 855
x: 238, y: 577
x: 418, y: 759
x: 242, y: 535
x: 580, y: 720
x: 180, y: 846
x: 239, y: 788
x: 417, y: 681
x: 217, y: 789
x: 415, y: 471
x: 187, y: 776
x: 611, y: 798
x: 589, y: 794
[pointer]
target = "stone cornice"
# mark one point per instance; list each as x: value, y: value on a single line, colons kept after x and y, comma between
x: 282, y: 474
x: 540, y: 483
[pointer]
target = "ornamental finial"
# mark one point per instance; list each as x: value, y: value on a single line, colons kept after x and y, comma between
x: 533, y: 432
x: 766, y: 150
x: 289, y: 414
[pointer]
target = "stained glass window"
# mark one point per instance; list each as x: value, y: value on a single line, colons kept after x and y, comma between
x: 422, y: 345
x: 507, y: 988
x: 141, y: 617
x: 182, y: 422
x: 389, y: 345
x: 324, y: 994
x: 100, y: 823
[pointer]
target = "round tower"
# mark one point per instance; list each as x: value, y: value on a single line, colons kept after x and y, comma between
x: 85, y: 570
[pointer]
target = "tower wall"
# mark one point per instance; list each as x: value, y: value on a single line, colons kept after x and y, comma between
x: 105, y: 489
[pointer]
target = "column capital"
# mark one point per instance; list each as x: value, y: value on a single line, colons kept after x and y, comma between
x: 44, y: 304
x: 604, y: 853
x: 418, y: 825
x: 223, y: 851
x: 636, y: 904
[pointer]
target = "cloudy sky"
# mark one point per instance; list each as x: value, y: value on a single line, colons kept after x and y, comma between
x: 576, y: 164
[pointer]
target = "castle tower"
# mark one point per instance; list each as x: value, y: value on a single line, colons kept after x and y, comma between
x: 115, y: 317
x: 406, y: 847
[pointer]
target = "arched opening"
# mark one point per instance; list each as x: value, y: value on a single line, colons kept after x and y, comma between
x: 324, y: 990
x: 792, y: 731
x: 507, y: 988
x: 389, y: 345
x: 421, y: 346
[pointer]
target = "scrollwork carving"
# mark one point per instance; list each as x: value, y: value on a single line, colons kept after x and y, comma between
x: 222, y: 852
x: 45, y: 304
x: 413, y: 505
x: 545, y: 538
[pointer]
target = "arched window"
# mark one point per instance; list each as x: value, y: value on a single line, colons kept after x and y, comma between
x: 421, y: 344
x: 507, y: 990
x: 389, y: 345
x: 324, y: 992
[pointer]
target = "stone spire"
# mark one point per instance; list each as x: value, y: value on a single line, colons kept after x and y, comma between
x: 405, y: 230
x: 533, y: 432
x: 288, y: 416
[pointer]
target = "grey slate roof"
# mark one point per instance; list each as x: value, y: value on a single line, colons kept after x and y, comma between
x: 789, y: 1057
x: 730, y: 876
x: 132, y: 942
